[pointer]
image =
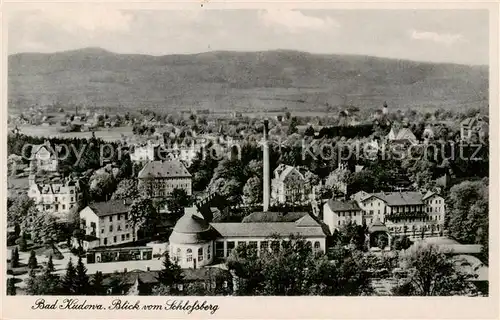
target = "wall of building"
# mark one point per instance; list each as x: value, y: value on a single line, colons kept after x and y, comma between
x: 318, y: 243
x: 189, y: 255
x: 116, y: 231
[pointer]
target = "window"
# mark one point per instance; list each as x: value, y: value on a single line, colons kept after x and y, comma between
x: 128, y: 236
x: 189, y: 255
x: 264, y: 246
x: 64, y: 206
x: 123, y: 237
x: 209, y: 248
x: 72, y: 199
x: 55, y: 199
x: 119, y: 216
x: 119, y: 228
x: 219, y: 249
x: 317, y: 246
x: 105, y: 241
x: 339, y: 222
x: 110, y: 218
x: 110, y: 228
x: 177, y: 255
x: 114, y: 239
x: 126, y: 216
x: 252, y: 244
x: 230, y: 247
x: 200, y: 254
x: 102, y: 230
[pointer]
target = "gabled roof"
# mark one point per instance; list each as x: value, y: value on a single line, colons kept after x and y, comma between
x: 274, y: 217
x: 338, y: 206
x: 164, y: 169
x: 107, y: 208
x: 398, y: 198
x: 429, y: 194
x: 256, y: 229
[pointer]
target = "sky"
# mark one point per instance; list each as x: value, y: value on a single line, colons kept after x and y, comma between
x: 456, y: 36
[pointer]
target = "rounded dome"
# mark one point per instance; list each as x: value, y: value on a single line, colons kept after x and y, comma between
x: 191, y: 229
x: 190, y: 223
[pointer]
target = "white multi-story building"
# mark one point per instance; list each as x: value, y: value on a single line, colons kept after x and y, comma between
x: 401, y: 212
x: 43, y: 157
x: 57, y: 198
x: 144, y: 153
x: 289, y: 185
x: 107, y: 223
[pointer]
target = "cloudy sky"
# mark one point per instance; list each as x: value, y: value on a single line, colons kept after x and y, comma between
x: 459, y: 36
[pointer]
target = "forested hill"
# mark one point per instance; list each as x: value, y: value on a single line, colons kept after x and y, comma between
x: 257, y: 81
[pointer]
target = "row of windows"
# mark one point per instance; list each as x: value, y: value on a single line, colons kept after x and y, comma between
x: 264, y: 246
x: 115, y: 239
x: 119, y: 228
x: 189, y: 254
x: 56, y: 206
x: 118, y: 217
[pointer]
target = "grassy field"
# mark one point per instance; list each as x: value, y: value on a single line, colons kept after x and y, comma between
x: 111, y: 134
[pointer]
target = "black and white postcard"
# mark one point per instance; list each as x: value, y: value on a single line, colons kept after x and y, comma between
x: 219, y: 160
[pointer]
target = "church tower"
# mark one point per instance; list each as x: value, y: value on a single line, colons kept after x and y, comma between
x: 385, y: 110
x: 267, y: 176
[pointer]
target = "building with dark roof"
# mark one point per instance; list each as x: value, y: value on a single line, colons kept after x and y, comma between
x: 108, y: 222
x: 159, y: 178
x: 338, y: 213
x: 411, y: 213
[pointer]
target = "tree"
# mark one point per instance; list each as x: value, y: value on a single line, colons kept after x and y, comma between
x: 252, y: 191
x: 170, y: 274
x: 402, y: 243
x: 468, y: 212
x: 309, y: 131
x: 11, y: 286
x: 14, y: 258
x: 292, y: 128
x: 82, y: 283
x: 143, y: 214
x: 46, y: 229
x: 293, y: 268
x: 23, y: 245
x: 18, y: 211
x: 32, y: 283
x: 97, y: 285
x: 68, y: 282
x: 32, y: 262
x: 178, y: 200
x: 102, y: 185
x: 48, y: 282
x: 432, y: 273
x: 126, y: 189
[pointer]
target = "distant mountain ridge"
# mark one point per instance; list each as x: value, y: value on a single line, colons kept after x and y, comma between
x: 252, y: 81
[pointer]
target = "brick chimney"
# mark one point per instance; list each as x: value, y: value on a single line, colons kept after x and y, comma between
x: 266, y: 173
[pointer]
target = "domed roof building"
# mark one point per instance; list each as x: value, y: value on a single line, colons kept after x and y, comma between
x: 191, y: 241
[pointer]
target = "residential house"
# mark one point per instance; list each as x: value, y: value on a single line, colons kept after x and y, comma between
x: 58, y: 198
x: 472, y: 126
x: 144, y: 152
x: 401, y: 135
x: 44, y: 157
x: 338, y: 213
x: 289, y: 186
x: 108, y: 222
x: 159, y: 178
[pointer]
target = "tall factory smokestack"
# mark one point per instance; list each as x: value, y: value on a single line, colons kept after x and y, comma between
x: 266, y: 178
